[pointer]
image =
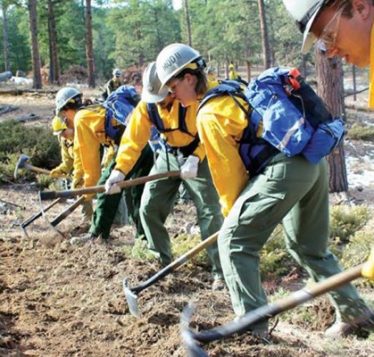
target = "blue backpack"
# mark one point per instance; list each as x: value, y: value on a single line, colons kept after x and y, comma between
x: 119, y: 105
x: 293, y: 118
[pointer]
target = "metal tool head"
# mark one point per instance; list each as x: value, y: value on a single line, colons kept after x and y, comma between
x: 132, y: 299
x: 24, y: 231
x: 192, y: 346
x: 46, y: 219
x: 20, y: 164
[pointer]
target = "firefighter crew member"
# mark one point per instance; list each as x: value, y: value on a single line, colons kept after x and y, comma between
x: 65, y: 137
x: 290, y: 191
x: 114, y: 83
x: 91, y: 131
x: 343, y: 28
x: 184, y: 152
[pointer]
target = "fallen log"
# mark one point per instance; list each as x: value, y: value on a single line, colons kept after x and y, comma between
x: 4, y: 76
x: 16, y: 91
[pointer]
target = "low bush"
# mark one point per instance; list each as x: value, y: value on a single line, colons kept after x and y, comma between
x: 34, y: 141
x: 345, y: 221
x: 360, y: 132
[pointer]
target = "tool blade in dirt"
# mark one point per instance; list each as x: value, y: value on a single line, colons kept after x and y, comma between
x: 190, y: 344
x: 131, y: 293
x: 132, y: 299
x: 48, y: 222
x: 34, y: 217
x: 267, y: 311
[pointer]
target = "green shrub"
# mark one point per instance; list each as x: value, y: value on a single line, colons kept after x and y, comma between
x: 360, y: 132
x: 275, y: 261
x: 357, y: 251
x: 34, y: 141
x: 345, y: 221
x: 183, y: 243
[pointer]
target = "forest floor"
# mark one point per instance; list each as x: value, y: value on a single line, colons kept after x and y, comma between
x: 60, y: 300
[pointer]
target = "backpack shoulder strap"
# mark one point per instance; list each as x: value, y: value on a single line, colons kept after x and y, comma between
x: 231, y: 88
x: 155, y: 118
x: 182, y: 119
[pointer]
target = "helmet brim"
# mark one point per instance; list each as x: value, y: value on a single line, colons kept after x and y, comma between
x: 149, y: 97
x: 309, y: 38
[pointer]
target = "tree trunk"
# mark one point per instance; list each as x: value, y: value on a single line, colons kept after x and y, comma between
x: 188, y: 21
x: 329, y: 87
x: 54, y: 66
x: 304, y: 67
x: 248, y: 64
x: 89, y: 46
x: 37, y: 78
x: 264, y: 35
x: 354, y: 81
x: 5, y: 37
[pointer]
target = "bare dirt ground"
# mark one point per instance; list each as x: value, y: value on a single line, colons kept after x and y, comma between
x: 59, y: 300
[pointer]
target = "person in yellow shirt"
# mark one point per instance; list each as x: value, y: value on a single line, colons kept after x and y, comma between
x: 212, y: 77
x: 183, y: 151
x: 289, y: 190
x: 343, y: 28
x: 92, y: 130
x: 232, y: 73
x: 65, y: 137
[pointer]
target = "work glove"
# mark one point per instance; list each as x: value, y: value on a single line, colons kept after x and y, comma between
x: 57, y: 172
x: 111, y: 186
x: 190, y: 167
x: 368, y: 268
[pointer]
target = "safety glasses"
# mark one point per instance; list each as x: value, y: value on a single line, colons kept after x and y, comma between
x: 327, y: 40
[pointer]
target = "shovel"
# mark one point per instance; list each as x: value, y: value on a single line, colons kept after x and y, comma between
x: 191, y: 339
x: 131, y: 294
x: 47, y: 195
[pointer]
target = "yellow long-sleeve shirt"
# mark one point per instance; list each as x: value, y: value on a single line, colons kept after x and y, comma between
x: 221, y: 123
x: 371, y: 84
x: 138, y: 132
x: 89, y: 134
x: 67, y: 156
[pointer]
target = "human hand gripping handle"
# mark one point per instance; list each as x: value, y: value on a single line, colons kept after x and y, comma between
x: 368, y: 268
x: 190, y: 167
x: 57, y: 172
x: 111, y: 186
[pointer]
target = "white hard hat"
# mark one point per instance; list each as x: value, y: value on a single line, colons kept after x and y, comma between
x: 174, y: 58
x: 117, y: 72
x: 64, y: 95
x: 152, y: 91
x: 304, y: 13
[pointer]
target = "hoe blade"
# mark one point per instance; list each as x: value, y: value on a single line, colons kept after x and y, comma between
x: 192, y: 347
x: 132, y: 299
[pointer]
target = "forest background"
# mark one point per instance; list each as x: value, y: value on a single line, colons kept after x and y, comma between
x: 114, y: 33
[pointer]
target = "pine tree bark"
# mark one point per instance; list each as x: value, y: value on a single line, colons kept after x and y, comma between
x: 330, y: 88
x: 54, y: 65
x: 264, y: 34
x: 188, y: 21
x: 89, y: 45
x: 5, y: 37
x: 37, y: 78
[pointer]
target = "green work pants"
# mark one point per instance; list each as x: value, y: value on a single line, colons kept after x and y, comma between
x: 107, y: 205
x: 293, y: 192
x: 158, y: 200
